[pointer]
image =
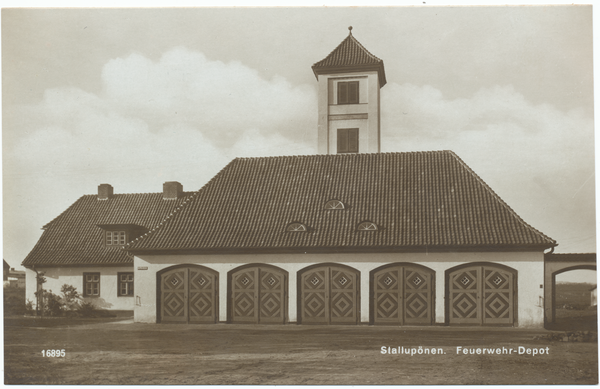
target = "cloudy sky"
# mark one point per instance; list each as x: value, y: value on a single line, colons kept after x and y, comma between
x: 141, y: 96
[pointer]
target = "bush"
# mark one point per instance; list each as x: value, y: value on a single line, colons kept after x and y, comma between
x: 14, y: 301
x: 53, y: 304
x: 87, y: 309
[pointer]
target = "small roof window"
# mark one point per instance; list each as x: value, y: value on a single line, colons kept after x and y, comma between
x: 334, y: 204
x: 296, y: 227
x: 367, y: 226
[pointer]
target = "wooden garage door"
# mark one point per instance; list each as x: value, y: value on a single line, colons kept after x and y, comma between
x: 483, y: 294
x: 329, y: 295
x: 189, y: 295
x: 402, y: 295
x: 258, y: 294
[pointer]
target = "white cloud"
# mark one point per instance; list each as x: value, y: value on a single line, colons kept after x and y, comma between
x: 537, y: 157
x: 221, y: 100
x: 182, y: 109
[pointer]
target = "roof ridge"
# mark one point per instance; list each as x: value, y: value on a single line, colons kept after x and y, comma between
x: 344, y: 155
x: 135, y: 193
x: 179, y: 207
x: 499, y: 199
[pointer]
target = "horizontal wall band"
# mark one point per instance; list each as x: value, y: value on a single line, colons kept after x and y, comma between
x: 349, y: 116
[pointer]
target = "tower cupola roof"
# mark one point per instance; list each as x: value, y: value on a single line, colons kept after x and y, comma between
x: 350, y: 56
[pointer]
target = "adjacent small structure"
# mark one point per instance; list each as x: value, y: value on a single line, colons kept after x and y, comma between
x: 555, y: 264
x: 5, y: 271
x: 83, y: 245
x: 13, y: 278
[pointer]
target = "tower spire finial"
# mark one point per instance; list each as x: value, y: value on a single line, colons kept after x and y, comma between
x: 350, y: 29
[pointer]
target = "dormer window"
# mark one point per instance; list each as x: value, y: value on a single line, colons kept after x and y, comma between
x: 296, y: 227
x: 116, y: 238
x: 334, y: 204
x: 367, y: 226
x: 120, y: 234
x: 347, y: 92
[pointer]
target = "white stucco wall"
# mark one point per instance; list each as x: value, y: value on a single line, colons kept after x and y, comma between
x: 529, y: 265
x: 57, y: 277
x: 330, y: 111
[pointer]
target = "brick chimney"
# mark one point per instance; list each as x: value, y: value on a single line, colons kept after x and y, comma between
x: 172, y: 190
x: 105, y: 191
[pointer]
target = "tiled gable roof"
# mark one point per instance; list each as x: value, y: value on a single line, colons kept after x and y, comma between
x: 418, y: 200
x: 74, y: 238
x: 350, y: 54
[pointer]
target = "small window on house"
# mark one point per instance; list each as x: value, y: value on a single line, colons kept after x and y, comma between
x: 367, y: 226
x: 91, y: 284
x: 296, y: 227
x: 116, y: 238
x: 125, y: 284
x: 334, y: 204
x: 347, y: 140
x: 347, y: 92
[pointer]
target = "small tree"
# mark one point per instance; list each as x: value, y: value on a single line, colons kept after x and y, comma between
x: 71, y: 297
x: 39, y: 293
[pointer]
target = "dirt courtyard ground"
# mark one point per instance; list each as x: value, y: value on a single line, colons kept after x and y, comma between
x: 132, y: 353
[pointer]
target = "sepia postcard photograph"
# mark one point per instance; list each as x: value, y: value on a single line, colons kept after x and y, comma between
x: 391, y: 195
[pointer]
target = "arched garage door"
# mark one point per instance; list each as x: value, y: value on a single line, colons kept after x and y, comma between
x: 328, y: 294
x: 258, y: 294
x: 479, y: 294
x: 402, y: 294
x: 188, y: 294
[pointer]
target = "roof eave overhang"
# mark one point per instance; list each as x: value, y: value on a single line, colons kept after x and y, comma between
x: 331, y: 250
x: 317, y: 70
x: 47, y: 265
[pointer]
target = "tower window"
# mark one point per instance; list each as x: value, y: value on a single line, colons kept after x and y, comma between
x: 347, y: 140
x: 347, y: 92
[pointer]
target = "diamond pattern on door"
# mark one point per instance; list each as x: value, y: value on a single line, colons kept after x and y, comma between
x: 465, y: 297
x: 272, y: 296
x: 482, y: 294
x: 402, y: 294
x: 189, y: 295
x: 244, y: 296
x: 174, y: 296
x: 174, y: 305
x: 328, y: 295
x: 258, y: 294
x: 498, y: 296
x: 202, y: 296
x: 314, y: 296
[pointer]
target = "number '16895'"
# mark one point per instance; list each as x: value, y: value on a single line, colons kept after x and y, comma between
x: 53, y: 353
